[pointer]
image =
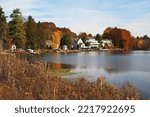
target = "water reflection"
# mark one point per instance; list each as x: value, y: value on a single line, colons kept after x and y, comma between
x: 117, y: 67
x: 138, y: 78
x: 30, y: 57
x: 61, y: 66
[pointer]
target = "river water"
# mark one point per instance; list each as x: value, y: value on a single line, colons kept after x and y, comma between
x: 117, y: 67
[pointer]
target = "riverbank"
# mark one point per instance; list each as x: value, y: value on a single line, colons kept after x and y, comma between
x: 25, y: 80
x: 42, y: 51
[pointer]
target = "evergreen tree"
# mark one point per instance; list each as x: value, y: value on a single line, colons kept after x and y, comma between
x: 17, y: 28
x: 3, y: 25
x: 66, y: 41
x: 31, y: 33
x: 98, y: 38
x: 42, y: 34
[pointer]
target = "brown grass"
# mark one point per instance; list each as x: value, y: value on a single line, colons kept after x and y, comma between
x: 24, y: 80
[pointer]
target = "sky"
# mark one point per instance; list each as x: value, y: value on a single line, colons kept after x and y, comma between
x: 91, y: 16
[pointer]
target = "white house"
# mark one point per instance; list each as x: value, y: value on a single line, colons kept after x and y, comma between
x: 79, y: 41
x: 107, y: 42
x: 82, y: 46
x: 93, y: 43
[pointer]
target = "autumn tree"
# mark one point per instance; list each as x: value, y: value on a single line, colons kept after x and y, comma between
x: 142, y: 43
x: 17, y: 28
x: 31, y: 33
x: 45, y: 31
x: 68, y: 32
x: 121, y: 38
x: 146, y: 42
x: 83, y: 36
x: 90, y: 35
x: 113, y: 34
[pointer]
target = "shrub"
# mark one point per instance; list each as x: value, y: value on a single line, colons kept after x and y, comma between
x: 20, y: 79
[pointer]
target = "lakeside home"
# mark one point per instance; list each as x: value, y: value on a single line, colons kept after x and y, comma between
x: 93, y: 43
x: 79, y: 41
x: 106, y: 42
x: 89, y: 43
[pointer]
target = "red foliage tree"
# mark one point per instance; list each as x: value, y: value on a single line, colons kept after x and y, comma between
x: 121, y: 38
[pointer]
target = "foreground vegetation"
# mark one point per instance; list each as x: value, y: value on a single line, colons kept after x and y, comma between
x: 25, y: 80
x: 60, y: 72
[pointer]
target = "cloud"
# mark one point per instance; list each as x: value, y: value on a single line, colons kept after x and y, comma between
x: 91, y: 16
x: 139, y: 26
x: 9, y: 5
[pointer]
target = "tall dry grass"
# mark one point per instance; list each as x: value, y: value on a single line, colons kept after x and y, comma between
x: 24, y: 80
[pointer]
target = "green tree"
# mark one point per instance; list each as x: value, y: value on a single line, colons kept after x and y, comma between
x: 3, y: 25
x: 42, y: 34
x: 17, y: 28
x: 31, y: 33
x: 65, y: 40
x: 98, y: 38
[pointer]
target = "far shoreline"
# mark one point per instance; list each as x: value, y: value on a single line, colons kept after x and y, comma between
x: 43, y: 51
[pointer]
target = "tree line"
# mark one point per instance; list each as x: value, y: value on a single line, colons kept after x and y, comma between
x: 22, y: 32
x: 26, y: 33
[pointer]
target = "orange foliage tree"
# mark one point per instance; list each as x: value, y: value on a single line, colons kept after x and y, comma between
x: 121, y: 38
x: 140, y: 43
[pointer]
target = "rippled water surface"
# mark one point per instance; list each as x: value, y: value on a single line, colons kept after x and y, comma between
x: 117, y: 67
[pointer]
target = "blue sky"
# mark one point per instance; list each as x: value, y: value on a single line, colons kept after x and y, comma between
x: 91, y: 16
